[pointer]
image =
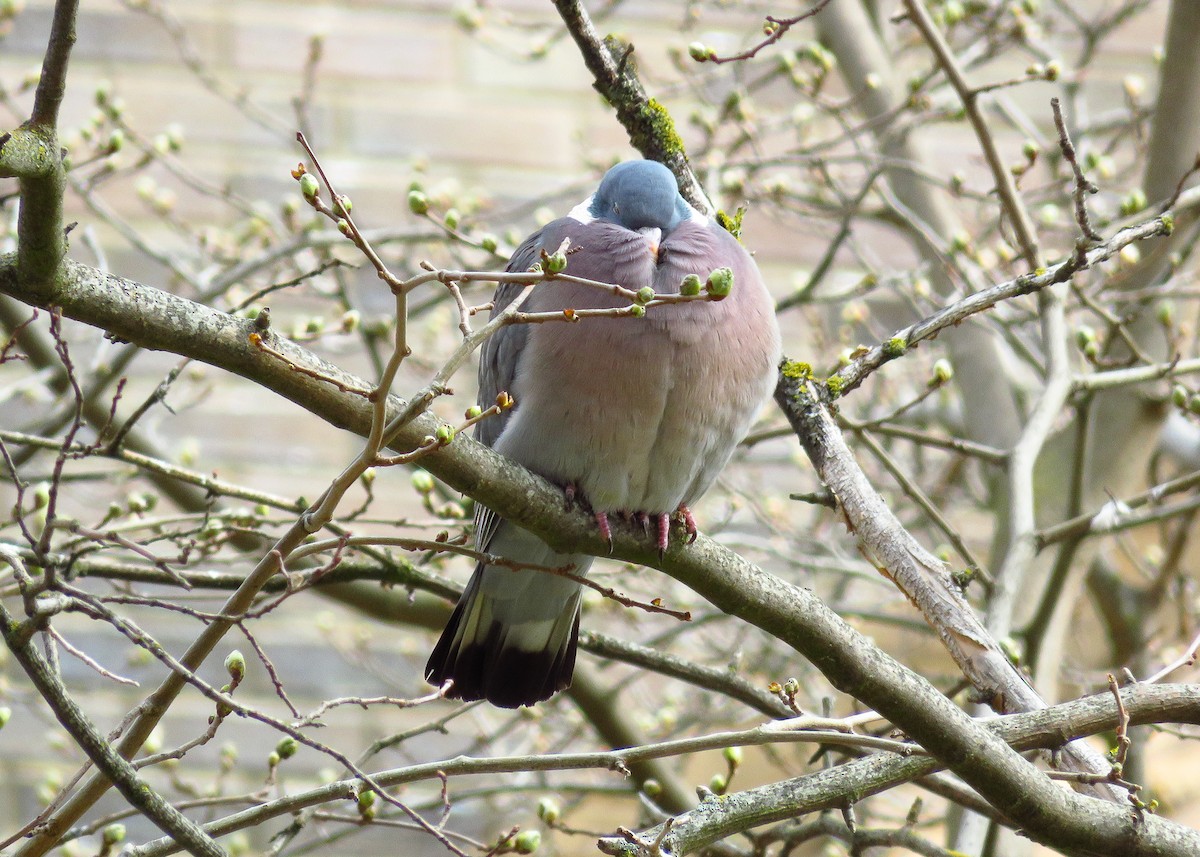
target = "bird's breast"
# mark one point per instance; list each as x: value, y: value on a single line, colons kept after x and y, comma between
x: 641, y: 414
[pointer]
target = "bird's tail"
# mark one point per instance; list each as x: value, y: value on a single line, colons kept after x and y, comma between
x: 513, y: 635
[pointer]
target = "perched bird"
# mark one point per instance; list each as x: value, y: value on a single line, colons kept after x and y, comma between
x: 637, y: 415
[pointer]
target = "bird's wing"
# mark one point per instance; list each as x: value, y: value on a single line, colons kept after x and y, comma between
x: 498, y: 358
x: 501, y: 351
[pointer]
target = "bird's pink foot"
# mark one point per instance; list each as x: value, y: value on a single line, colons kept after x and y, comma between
x: 664, y: 532
x: 605, y: 530
x: 689, y: 522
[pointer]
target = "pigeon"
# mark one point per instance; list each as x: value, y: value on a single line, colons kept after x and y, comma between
x: 632, y: 415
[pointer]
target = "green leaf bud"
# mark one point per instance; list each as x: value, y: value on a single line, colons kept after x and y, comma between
x: 637, y: 311
x: 1133, y: 202
x: 943, y: 371
x: 138, y: 503
x: 174, y: 134
x: 718, y: 784
x: 698, y: 51
x: 287, y: 747
x: 720, y: 283
x: 690, y: 286
x: 555, y: 263
x: 547, y: 810
x: 235, y: 665
x: 309, y: 186
x: 488, y: 242
x: 444, y: 434
x: 418, y: 203
x: 733, y: 755
x: 366, y: 799
x: 1011, y: 649
x: 527, y: 841
x: 652, y: 787
x: 113, y: 834
x: 644, y: 295
x: 1179, y: 396
x: 5, y: 715
x: 451, y: 218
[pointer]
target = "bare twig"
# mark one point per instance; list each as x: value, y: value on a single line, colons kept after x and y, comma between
x: 1083, y: 187
x: 778, y: 28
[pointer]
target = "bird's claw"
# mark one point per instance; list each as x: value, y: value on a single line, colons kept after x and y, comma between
x: 605, y: 530
x: 689, y: 522
x: 664, y: 533
x: 662, y: 523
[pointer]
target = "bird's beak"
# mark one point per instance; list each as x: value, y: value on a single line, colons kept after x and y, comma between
x: 653, y: 236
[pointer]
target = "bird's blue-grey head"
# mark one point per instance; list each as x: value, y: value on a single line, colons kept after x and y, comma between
x: 640, y: 195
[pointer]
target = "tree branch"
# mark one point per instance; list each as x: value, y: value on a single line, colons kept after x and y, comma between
x: 649, y: 126
x: 114, y: 768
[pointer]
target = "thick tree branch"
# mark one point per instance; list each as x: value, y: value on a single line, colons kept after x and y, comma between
x: 827, y: 789
x: 824, y: 789
x: 649, y: 125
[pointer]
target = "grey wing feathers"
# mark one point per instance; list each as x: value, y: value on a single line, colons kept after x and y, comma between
x: 498, y: 358
x: 500, y: 352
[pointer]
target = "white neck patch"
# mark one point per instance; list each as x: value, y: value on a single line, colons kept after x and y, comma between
x: 697, y: 217
x: 582, y: 212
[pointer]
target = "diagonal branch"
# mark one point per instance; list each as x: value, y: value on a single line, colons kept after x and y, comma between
x: 115, y: 768
x: 650, y: 128
x: 52, y: 84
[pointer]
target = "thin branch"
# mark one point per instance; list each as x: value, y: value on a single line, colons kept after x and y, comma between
x: 810, y: 793
x: 1083, y: 187
x: 646, y: 121
x: 52, y: 83
x: 778, y: 28
x: 111, y: 765
x: 855, y: 373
